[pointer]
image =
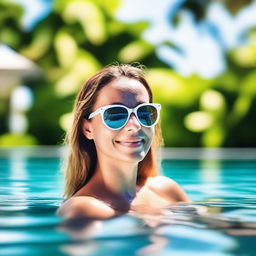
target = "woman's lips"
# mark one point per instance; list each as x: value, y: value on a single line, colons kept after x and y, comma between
x: 131, y: 144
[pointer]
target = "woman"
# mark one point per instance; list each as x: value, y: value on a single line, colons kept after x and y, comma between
x: 112, y: 165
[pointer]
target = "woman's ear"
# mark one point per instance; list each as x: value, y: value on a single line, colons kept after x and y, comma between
x: 87, y: 129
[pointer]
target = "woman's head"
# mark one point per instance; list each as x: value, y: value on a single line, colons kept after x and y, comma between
x: 90, y: 139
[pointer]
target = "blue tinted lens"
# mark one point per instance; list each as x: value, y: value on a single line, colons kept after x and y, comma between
x: 147, y: 115
x: 115, y: 117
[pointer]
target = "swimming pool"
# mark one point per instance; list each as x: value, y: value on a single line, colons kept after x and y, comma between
x: 220, y: 221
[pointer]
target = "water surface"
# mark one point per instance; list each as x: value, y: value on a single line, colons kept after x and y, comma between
x: 220, y: 221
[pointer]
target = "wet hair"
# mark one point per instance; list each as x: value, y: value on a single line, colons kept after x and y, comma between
x: 82, y: 158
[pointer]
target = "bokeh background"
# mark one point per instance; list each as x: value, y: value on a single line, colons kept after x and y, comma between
x: 200, y: 58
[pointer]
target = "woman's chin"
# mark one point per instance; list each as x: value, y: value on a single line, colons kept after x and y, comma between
x: 134, y: 157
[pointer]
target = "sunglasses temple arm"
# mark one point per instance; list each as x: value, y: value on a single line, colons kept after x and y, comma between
x: 93, y: 114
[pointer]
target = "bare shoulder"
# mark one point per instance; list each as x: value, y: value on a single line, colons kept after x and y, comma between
x: 85, y: 206
x: 167, y: 188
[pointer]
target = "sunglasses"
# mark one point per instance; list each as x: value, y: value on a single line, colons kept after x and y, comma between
x: 116, y: 116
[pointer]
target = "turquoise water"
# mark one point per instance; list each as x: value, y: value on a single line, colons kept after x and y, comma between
x: 220, y: 221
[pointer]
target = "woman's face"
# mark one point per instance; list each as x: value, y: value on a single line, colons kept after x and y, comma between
x: 119, y: 144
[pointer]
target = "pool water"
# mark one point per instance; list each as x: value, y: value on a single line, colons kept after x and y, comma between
x: 220, y: 221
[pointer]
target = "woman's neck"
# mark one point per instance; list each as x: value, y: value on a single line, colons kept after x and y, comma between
x: 114, y: 184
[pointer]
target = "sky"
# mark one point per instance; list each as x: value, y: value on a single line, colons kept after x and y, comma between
x: 200, y: 49
x: 35, y: 10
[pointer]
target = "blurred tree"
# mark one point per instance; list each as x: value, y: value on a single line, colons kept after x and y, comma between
x: 199, y: 7
x: 11, y: 33
x: 78, y: 37
x: 223, y: 110
x: 74, y: 41
x: 10, y: 23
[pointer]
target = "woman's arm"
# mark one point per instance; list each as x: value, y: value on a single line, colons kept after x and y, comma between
x: 84, y: 206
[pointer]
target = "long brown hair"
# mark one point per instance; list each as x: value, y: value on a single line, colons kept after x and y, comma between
x: 82, y: 158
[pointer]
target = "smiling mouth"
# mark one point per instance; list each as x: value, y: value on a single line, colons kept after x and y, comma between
x: 136, y: 143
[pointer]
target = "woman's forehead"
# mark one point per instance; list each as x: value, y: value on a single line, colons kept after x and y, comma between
x: 123, y: 90
x: 126, y: 84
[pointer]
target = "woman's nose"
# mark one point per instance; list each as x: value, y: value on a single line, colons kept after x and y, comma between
x: 133, y: 123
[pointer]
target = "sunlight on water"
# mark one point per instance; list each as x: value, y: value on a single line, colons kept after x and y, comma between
x: 220, y: 221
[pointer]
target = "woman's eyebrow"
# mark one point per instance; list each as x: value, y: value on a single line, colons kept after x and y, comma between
x: 117, y: 103
x: 120, y: 103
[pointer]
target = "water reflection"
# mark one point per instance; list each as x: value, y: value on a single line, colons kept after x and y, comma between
x: 210, y: 172
x: 211, y: 226
x: 120, y: 236
x: 194, y: 225
x: 221, y: 221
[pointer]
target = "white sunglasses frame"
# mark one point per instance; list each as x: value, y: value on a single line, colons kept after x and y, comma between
x: 130, y: 111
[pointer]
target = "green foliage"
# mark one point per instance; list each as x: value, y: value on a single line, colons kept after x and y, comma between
x: 9, y: 139
x: 10, y: 23
x: 73, y: 42
x: 78, y: 37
